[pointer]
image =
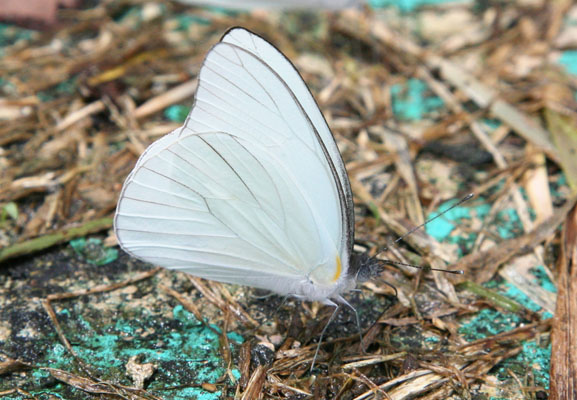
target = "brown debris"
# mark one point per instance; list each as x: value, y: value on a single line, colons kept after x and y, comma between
x: 483, y: 265
x: 564, y: 333
x: 139, y: 372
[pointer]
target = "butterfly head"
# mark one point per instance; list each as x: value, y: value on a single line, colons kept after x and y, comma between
x: 364, y: 267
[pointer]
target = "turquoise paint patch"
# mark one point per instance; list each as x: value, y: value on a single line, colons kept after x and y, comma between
x: 39, y: 395
x: 514, y: 293
x: 93, y: 251
x: 509, y: 224
x: 236, y: 337
x: 181, y: 314
x: 63, y: 88
x: 231, y: 335
x: 542, y: 278
x: 492, y: 124
x: 431, y: 343
x: 176, y: 113
x: 185, y: 21
x: 409, y: 5
x: 533, y: 358
x: 236, y: 373
x: 130, y: 12
x: 185, y: 351
x: 489, y: 323
x: 547, y: 315
x: 11, y: 34
x: 412, y: 100
x: 189, y: 394
x: 558, y: 186
x: 568, y: 60
x: 442, y: 227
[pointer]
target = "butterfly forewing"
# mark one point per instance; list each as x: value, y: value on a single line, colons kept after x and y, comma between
x: 286, y: 71
x: 241, y: 94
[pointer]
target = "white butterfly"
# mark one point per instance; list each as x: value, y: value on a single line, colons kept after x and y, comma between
x: 252, y: 189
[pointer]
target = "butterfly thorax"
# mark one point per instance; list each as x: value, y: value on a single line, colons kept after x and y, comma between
x: 311, y: 291
x: 364, y: 267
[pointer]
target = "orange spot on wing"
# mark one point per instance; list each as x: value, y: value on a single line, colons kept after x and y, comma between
x: 339, y: 269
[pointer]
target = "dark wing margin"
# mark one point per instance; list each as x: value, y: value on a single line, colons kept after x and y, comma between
x: 315, y: 118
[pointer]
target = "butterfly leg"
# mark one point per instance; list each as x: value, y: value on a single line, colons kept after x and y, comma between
x: 341, y: 299
x: 329, y: 303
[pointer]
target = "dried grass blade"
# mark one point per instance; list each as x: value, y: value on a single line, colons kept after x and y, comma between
x: 564, y: 333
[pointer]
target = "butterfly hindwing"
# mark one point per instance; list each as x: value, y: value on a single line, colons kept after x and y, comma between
x: 219, y: 207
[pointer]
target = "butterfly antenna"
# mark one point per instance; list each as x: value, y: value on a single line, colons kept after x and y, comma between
x: 464, y: 199
x: 456, y: 272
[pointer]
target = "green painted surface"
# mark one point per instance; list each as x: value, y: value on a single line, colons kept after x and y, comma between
x: 443, y: 227
x: 542, y: 278
x: 410, y: 5
x: 64, y: 88
x: 488, y: 322
x: 11, y: 34
x: 177, y: 112
x: 93, y: 251
x: 107, y: 329
x: 413, y: 100
x: 185, y: 352
x: 534, y: 358
x: 569, y: 61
